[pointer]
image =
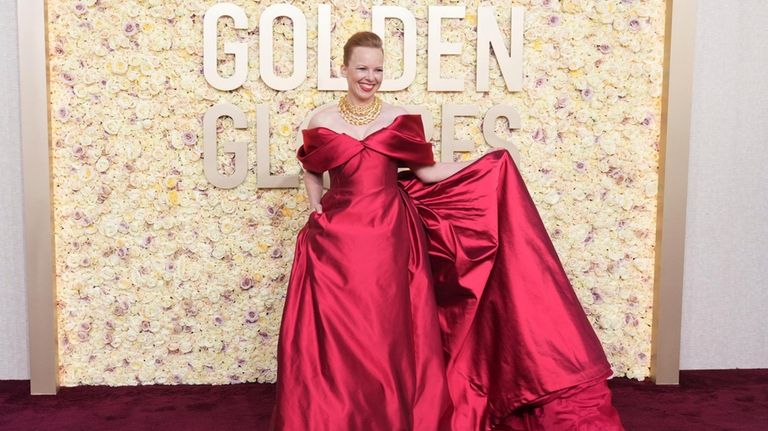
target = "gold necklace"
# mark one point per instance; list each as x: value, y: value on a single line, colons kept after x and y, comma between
x: 358, y: 115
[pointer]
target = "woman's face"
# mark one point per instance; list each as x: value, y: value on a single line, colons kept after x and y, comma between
x: 364, y: 73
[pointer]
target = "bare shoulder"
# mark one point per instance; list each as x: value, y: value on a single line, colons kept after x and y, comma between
x: 327, y: 117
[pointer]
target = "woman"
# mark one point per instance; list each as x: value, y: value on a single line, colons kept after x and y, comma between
x: 430, y: 302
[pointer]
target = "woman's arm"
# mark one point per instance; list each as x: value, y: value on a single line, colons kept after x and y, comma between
x: 313, y: 181
x: 438, y: 171
x: 442, y: 170
x: 314, y: 184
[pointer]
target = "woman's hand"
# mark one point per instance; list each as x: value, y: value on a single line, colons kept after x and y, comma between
x: 314, y: 184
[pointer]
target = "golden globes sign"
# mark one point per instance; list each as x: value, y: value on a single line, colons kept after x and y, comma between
x: 509, y: 58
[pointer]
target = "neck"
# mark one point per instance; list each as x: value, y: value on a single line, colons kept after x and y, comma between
x: 351, y: 99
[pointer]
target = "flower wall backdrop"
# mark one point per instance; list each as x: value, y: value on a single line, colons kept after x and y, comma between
x: 163, y: 278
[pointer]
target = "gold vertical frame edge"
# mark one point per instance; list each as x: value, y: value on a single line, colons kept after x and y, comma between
x: 40, y: 270
x: 674, y: 140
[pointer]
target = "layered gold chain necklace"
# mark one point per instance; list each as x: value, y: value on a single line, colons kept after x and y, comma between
x: 358, y: 115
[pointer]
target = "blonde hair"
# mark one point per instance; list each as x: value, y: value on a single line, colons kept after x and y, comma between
x: 365, y: 39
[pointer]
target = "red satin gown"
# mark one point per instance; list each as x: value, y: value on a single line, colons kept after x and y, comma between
x: 430, y: 307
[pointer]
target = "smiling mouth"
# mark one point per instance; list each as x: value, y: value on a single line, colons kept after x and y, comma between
x: 366, y: 87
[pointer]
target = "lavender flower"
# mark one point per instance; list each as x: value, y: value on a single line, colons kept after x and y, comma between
x: 246, y: 283
x: 130, y: 28
x: 189, y: 138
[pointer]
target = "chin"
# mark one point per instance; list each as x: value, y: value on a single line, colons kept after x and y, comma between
x: 366, y: 96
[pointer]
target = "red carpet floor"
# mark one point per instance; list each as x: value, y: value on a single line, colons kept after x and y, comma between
x: 704, y: 401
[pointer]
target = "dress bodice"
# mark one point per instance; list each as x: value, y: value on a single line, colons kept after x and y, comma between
x: 371, y: 162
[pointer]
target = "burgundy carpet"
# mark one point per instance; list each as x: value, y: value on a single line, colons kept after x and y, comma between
x: 704, y: 401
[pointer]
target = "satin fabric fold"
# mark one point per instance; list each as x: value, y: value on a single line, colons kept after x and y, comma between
x: 402, y: 140
x: 427, y: 307
x: 512, y: 326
